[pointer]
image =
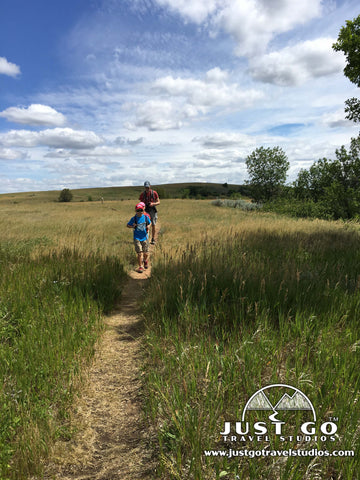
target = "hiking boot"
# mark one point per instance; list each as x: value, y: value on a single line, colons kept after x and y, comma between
x: 152, y: 241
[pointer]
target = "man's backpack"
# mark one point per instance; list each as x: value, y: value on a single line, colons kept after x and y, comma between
x: 152, y: 198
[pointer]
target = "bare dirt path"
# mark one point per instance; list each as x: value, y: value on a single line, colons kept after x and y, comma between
x: 111, y: 440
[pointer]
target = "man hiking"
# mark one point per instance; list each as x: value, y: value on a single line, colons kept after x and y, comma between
x: 151, y: 199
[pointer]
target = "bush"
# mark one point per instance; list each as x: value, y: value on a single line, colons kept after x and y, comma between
x: 65, y: 195
x: 242, y: 204
x: 300, y: 208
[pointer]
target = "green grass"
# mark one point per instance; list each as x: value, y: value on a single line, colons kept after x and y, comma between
x: 231, y: 314
x: 51, y: 311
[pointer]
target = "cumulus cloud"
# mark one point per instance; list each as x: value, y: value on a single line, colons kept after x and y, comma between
x: 297, y: 64
x: 182, y: 99
x: 35, y: 114
x: 56, y: 138
x: 252, y: 23
x: 8, y: 68
x: 213, y: 91
x: 157, y: 115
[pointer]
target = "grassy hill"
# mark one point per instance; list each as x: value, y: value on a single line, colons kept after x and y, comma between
x: 174, y: 190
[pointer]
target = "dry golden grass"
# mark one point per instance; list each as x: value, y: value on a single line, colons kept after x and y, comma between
x: 96, y: 226
x: 87, y: 227
x: 185, y: 222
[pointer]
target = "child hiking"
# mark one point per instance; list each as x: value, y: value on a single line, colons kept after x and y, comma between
x: 141, y: 223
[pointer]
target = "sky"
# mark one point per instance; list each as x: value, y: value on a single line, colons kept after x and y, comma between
x: 101, y: 93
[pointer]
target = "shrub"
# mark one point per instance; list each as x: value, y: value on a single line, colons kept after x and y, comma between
x: 242, y: 204
x: 65, y: 195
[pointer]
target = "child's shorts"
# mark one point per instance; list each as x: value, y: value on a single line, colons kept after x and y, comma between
x: 141, y: 247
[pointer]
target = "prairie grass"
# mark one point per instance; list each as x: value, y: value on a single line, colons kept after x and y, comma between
x: 243, y: 300
x: 237, y: 300
x: 62, y: 268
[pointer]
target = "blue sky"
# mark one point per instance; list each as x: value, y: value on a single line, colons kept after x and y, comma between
x: 97, y: 93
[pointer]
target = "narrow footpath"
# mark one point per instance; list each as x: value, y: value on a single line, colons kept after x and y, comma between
x: 111, y: 441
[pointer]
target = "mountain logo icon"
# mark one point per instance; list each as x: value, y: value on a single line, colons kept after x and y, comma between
x: 297, y: 401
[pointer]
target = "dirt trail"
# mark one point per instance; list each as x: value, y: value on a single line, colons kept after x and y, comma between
x: 110, y: 443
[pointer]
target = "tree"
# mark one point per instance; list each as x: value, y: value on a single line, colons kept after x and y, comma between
x: 65, y: 195
x: 348, y: 42
x: 334, y: 183
x: 353, y: 109
x: 267, y: 169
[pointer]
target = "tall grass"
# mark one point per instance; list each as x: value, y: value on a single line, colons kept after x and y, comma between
x: 237, y: 300
x: 265, y: 301
x: 61, y: 268
x: 50, y: 315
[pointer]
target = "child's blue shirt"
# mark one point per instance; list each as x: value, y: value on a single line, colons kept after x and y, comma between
x: 140, y: 232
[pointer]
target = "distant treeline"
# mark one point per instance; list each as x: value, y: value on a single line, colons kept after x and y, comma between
x: 329, y: 189
x: 205, y: 191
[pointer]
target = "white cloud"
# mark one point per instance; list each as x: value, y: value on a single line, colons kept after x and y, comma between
x: 8, y: 68
x: 335, y: 119
x: 195, y: 10
x: 56, y: 138
x: 98, y: 152
x: 106, y: 151
x: 157, y: 115
x: 35, y: 114
x: 208, y: 93
x: 252, y: 23
x: 297, y: 64
x: 220, y: 159
x: 10, y: 154
x: 128, y: 141
x: 225, y: 140
x: 182, y: 99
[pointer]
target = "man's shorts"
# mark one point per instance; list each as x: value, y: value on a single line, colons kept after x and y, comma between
x: 153, y: 214
x: 141, y: 247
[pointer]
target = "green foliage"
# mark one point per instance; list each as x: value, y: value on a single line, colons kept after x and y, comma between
x: 333, y: 184
x: 65, y: 195
x: 267, y: 169
x: 203, y: 191
x: 162, y: 192
x: 294, y: 207
x: 348, y: 42
x: 353, y: 109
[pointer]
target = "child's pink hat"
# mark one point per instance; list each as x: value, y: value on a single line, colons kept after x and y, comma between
x: 140, y: 205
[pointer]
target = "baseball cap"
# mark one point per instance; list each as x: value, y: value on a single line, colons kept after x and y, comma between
x: 147, y: 183
x: 139, y: 206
